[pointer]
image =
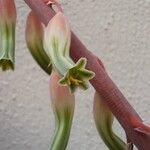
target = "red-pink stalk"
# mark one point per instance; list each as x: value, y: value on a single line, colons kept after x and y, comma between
x: 115, y: 100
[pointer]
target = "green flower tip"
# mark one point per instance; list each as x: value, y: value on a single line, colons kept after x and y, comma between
x: 77, y: 76
x: 6, y: 64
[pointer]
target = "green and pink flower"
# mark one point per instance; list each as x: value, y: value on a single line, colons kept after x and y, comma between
x: 34, y: 40
x: 57, y: 41
x: 63, y: 103
x: 104, y: 121
x: 7, y: 34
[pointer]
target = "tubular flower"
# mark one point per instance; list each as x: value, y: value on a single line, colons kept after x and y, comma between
x: 63, y: 106
x: 57, y: 46
x: 104, y: 120
x: 7, y: 34
x: 34, y: 40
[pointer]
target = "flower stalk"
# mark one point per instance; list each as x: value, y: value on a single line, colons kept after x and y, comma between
x: 7, y: 34
x: 57, y: 45
x: 104, y: 121
x: 34, y: 40
x: 63, y: 106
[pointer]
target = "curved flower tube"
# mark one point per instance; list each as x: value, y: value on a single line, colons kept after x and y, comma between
x: 34, y: 40
x: 7, y: 34
x: 57, y: 46
x: 104, y: 120
x: 63, y: 106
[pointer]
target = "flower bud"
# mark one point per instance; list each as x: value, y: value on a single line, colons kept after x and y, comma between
x: 57, y: 40
x: 63, y: 106
x: 7, y: 34
x: 34, y: 40
x: 104, y: 120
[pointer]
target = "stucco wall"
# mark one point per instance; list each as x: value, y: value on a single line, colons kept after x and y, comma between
x: 118, y: 31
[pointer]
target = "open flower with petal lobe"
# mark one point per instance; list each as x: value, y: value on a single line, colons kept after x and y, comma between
x: 57, y: 40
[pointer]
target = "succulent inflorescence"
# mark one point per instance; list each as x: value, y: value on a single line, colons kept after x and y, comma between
x: 50, y: 47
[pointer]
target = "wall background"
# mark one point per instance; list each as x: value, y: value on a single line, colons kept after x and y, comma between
x: 119, y: 33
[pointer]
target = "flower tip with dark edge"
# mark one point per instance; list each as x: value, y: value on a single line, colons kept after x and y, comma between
x: 6, y: 64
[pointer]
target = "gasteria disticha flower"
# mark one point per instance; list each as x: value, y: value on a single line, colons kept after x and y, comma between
x: 7, y: 34
x: 63, y: 106
x: 57, y: 40
x: 34, y: 40
x: 104, y: 120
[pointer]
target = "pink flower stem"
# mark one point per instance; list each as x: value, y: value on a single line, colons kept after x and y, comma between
x: 102, y: 83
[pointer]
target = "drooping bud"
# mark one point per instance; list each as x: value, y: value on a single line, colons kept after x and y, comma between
x: 57, y: 46
x: 34, y: 40
x: 104, y: 121
x: 63, y: 106
x: 7, y: 34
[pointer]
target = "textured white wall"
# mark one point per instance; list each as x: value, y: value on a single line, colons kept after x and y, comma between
x: 119, y: 33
